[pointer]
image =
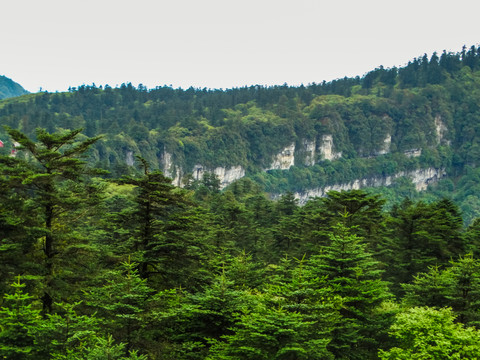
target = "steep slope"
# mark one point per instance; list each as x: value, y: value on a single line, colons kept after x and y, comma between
x: 9, y: 88
x: 422, y: 119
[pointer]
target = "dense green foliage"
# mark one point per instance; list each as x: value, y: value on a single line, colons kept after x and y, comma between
x: 124, y: 265
x: 135, y: 268
x: 428, y: 108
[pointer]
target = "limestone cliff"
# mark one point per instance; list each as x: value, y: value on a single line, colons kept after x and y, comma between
x: 385, y: 149
x: 310, y: 150
x: 129, y: 158
x: 421, y: 178
x: 326, y: 149
x: 284, y: 160
x: 441, y: 130
x: 226, y: 176
x: 170, y: 169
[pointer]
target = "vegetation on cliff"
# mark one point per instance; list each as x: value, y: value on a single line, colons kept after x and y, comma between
x: 101, y: 256
x: 135, y: 268
x: 422, y: 115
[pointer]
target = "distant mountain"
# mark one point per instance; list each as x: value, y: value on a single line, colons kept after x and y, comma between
x: 9, y: 88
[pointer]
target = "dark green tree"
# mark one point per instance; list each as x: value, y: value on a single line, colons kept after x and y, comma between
x: 191, y: 322
x: 355, y: 277
x: 359, y: 211
x: 422, y: 235
x: 55, y: 183
x: 168, y: 237
x: 457, y: 286
x: 19, y: 320
x: 121, y: 304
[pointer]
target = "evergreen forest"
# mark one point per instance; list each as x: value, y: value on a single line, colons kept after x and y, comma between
x: 102, y: 257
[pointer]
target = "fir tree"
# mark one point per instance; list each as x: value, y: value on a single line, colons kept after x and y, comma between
x: 18, y: 322
x: 355, y: 277
x: 53, y: 180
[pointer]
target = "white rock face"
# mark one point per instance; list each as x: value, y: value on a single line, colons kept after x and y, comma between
x: 198, y: 172
x: 326, y: 149
x: 440, y: 129
x: 170, y: 170
x: 167, y: 163
x: 413, y: 152
x: 385, y: 149
x: 421, y: 178
x: 310, y: 152
x: 226, y: 176
x: 177, y: 177
x: 284, y: 160
x: 129, y: 158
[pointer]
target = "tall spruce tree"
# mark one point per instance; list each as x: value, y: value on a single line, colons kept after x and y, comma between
x: 457, y: 286
x: 168, y: 235
x: 354, y: 276
x: 423, y: 235
x: 53, y: 183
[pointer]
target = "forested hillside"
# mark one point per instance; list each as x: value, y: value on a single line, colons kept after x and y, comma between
x: 9, y: 88
x: 388, y: 123
x: 136, y: 268
x: 102, y: 257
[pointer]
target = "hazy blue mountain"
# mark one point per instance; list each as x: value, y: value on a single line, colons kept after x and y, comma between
x: 9, y: 88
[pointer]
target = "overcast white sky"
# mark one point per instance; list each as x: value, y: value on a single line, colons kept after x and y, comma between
x: 55, y: 44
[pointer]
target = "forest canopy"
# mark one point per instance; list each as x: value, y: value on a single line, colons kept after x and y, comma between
x: 101, y: 255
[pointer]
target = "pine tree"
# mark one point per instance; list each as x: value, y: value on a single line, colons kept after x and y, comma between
x: 54, y: 182
x: 359, y: 211
x: 423, y: 235
x: 121, y: 304
x: 429, y: 289
x: 456, y: 286
x: 196, y: 320
x: 168, y: 237
x: 290, y: 319
x: 18, y: 322
x: 65, y: 334
x: 464, y: 295
x: 355, y: 277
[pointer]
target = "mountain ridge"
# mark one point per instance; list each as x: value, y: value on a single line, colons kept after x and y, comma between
x: 285, y: 138
x: 9, y: 88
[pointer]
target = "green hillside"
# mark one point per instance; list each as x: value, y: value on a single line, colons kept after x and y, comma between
x: 102, y: 257
x: 9, y: 88
x: 387, y: 123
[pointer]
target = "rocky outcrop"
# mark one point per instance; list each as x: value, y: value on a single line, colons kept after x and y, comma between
x: 413, y: 152
x: 228, y: 176
x: 308, y: 155
x: 326, y: 149
x: 129, y: 158
x: 284, y: 160
x: 441, y: 130
x: 421, y: 178
x: 225, y: 176
x: 309, y: 147
x: 170, y: 169
x: 385, y: 149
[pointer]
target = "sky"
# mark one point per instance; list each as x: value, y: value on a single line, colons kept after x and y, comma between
x: 52, y: 45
